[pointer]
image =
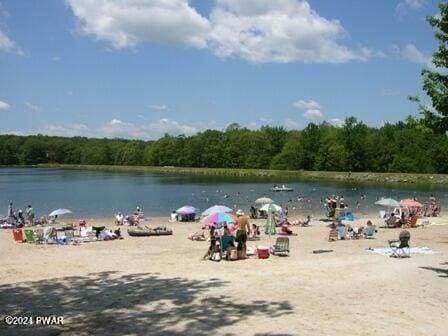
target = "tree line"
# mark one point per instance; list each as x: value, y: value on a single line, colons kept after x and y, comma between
x: 401, y: 147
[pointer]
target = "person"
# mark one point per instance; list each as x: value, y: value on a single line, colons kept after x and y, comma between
x: 286, y: 211
x: 119, y: 218
x: 341, y: 202
x: 173, y: 216
x: 212, y: 247
x: 21, y: 219
x: 255, y: 231
x: 306, y: 222
x: 242, y: 223
x: 286, y: 230
x: 30, y: 214
x: 392, y: 220
x: 10, y: 218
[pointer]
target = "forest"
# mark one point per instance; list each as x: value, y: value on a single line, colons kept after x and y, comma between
x: 401, y: 147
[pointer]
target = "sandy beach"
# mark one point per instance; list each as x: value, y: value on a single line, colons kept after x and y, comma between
x: 160, y: 286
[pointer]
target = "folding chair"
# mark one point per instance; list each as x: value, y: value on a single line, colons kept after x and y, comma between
x: 401, y: 248
x: 281, y: 246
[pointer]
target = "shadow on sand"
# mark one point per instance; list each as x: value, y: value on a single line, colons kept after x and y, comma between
x: 108, y: 303
x: 443, y: 272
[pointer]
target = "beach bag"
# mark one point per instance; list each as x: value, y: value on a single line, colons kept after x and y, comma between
x: 216, y: 256
x: 232, y: 253
x: 242, y: 253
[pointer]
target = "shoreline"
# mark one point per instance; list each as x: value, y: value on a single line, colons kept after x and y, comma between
x: 267, y: 174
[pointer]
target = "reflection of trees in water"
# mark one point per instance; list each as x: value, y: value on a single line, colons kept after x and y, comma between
x: 143, y: 304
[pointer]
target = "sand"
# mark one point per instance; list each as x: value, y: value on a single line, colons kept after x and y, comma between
x: 160, y: 286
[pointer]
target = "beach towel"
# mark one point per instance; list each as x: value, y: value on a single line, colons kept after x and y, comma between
x: 414, y: 250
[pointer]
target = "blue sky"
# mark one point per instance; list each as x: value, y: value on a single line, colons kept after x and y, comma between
x: 140, y: 68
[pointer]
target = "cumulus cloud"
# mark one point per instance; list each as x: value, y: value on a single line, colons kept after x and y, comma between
x: 4, y: 106
x: 312, y: 110
x: 8, y: 45
x: 157, y: 107
x: 32, y: 107
x: 290, y: 124
x: 405, y: 6
x: 258, y: 31
x: 126, y: 23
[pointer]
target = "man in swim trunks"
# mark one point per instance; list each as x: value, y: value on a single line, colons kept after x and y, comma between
x: 243, y: 230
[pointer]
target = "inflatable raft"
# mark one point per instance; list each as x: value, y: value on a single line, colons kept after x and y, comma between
x: 144, y: 232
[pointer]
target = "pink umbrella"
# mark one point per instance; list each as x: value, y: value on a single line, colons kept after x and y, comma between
x: 410, y: 203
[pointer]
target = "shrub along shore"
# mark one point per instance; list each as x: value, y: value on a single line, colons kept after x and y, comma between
x: 272, y: 175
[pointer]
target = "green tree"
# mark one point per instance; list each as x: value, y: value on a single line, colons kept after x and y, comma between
x: 435, y: 83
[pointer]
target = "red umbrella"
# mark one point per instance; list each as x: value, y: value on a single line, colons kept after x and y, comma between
x: 410, y: 203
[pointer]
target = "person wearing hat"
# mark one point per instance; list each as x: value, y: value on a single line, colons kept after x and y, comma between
x: 243, y: 230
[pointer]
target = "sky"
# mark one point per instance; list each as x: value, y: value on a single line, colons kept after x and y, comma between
x: 138, y: 69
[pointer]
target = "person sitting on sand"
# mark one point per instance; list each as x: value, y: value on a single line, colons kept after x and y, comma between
x: 285, y: 229
x: 255, y: 232
x: 119, y: 218
x: 392, y: 220
x: 305, y: 222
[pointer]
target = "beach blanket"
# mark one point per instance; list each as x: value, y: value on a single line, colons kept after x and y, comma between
x: 414, y: 250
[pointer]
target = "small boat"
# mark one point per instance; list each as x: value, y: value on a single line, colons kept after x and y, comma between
x: 281, y: 188
x: 145, y: 232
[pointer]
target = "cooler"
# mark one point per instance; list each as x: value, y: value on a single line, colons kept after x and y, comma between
x: 18, y: 235
x: 263, y: 252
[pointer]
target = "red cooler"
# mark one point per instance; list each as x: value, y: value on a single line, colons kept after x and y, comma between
x: 263, y: 252
x: 18, y: 235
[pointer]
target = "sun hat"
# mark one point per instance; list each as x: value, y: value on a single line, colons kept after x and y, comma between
x: 239, y: 212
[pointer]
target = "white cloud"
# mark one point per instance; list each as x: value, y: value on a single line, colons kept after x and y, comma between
x: 166, y: 125
x: 4, y: 106
x: 126, y: 23
x: 7, y: 45
x: 407, y: 5
x: 32, y: 107
x: 336, y: 122
x: 283, y: 31
x: 158, y: 107
x: 258, y: 31
x: 312, y: 109
x: 411, y: 53
x: 290, y: 124
x: 58, y: 130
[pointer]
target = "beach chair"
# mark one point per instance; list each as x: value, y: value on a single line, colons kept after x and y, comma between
x: 413, y: 222
x: 39, y: 236
x: 281, y: 246
x: 333, y: 235
x: 29, y: 235
x: 69, y: 236
x: 401, y: 248
x: 226, y: 242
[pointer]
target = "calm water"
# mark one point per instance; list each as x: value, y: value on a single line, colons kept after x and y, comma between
x: 97, y: 194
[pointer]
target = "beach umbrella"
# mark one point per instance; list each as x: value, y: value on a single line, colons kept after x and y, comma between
x: 216, y: 208
x: 271, y: 207
x: 264, y: 200
x: 187, y: 210
x: 410, y: 203
x: 218, y: 218
x: 60, y: 212
x: 388, y: 202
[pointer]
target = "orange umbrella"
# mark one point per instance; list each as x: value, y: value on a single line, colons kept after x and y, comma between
x: 410, y: 203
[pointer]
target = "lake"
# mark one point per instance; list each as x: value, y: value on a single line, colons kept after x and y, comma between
x: 101, y: 194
